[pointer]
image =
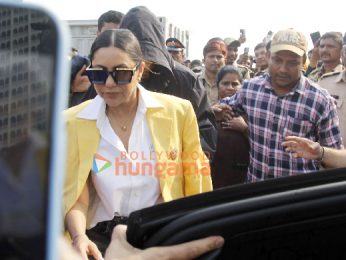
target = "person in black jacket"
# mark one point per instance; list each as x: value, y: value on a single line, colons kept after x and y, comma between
x: 168, y: 76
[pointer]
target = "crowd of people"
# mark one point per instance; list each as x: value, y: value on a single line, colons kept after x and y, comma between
x: 148, y: 126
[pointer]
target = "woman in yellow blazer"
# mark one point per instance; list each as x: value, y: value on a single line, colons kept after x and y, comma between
x: 128, y: 148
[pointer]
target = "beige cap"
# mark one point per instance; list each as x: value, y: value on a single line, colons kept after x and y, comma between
x: 232, y: 41
x: 289, y: 40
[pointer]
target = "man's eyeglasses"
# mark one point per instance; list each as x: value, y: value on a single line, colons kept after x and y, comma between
x: 121, y: 76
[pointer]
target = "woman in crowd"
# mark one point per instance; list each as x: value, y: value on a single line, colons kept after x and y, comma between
x: 232, y: 152
x: 128, y: 148
x: 228, y: 81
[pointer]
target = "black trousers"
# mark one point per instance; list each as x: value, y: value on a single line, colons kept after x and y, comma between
x: 101, y: 234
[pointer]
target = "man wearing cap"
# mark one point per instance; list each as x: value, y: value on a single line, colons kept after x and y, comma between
x: 176, y: 49
x: 284, y: 103
x: 232, y: 55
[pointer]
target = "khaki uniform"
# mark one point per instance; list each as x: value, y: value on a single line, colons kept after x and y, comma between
x: 212, y: 90
x: 245, y: 71
x: 318, y: 73
x: 335, y: 83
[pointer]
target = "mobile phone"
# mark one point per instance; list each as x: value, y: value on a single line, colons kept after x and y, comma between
x: 32, y: 89
x: 246, y: 50
x: 77, y: 62
x: 315, y: 36
x: 268, y: 37
x: 242, y: 32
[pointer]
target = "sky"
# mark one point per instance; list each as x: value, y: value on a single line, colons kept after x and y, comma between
x: 220, y: 18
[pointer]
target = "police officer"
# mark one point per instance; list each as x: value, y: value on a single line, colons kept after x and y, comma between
x: 176, y: 49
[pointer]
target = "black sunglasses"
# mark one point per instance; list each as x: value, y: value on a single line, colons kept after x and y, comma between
x: 121, y: 76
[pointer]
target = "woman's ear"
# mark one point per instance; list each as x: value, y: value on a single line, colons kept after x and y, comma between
x: 141, y: 69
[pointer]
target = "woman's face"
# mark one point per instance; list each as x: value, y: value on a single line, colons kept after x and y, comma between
x: 114, y: 94
x: 229, y: 85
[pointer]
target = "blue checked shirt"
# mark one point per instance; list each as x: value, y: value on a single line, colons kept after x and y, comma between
x: 307, y: 111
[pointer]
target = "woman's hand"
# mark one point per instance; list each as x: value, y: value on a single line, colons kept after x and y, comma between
x: 302, y: 147
x: 81, y: 82
x: 222, y: 112
x: 236, y: 123
x: 86, y: 247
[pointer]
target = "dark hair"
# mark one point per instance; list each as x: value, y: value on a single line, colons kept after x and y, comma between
x: 226, y: 70
x: 196, y: 63
x: 336, y: 36
x: 260, y: 45
x: 109, y: 17
x: 122, y: 39
x: 77, y: 62
x: 215, y: 44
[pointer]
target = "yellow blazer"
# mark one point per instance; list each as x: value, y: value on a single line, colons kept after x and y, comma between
x: 175, y: 137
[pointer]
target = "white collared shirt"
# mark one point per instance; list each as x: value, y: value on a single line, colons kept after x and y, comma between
x: 124, y: 181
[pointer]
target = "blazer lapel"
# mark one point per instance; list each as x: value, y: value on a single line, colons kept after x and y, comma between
x: 88, y: 140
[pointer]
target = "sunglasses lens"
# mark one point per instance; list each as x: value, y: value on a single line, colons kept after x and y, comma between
x: 123, y: 77
x: 120, y: 76
x: 97, y: 76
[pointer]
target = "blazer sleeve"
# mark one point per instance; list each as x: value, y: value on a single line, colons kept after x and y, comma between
x: 71, y: 180
x: 196, y: 169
